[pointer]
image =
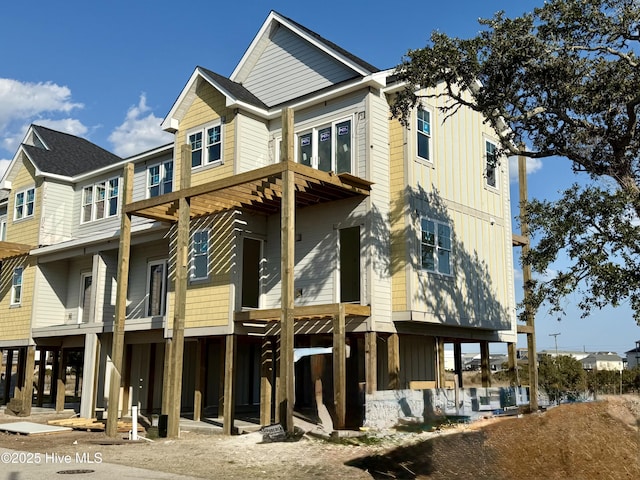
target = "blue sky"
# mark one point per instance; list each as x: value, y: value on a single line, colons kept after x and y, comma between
x: 110, y: 72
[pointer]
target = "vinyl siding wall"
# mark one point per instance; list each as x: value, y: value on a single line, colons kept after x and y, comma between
x: 26, y: 230
x: 141, y: 255
x: 252, y: 144
x: 57, y: 212
x: 397, y: 186
x: 290, y: 67
x: 52, y: 287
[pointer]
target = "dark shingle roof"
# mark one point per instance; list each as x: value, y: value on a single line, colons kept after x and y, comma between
x: 67, y: 154
x: 366, y: 65
x: 235, y: 89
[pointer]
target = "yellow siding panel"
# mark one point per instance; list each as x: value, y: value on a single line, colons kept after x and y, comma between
x: 15, y: 321
x: 208, y: 106
x: 24, y: 230
x: 398, y: 207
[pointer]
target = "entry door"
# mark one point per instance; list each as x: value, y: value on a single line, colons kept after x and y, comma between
x: 350, y: 264
x: 251, y: 255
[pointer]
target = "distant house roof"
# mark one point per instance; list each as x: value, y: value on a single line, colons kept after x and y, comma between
x: 67, y: 155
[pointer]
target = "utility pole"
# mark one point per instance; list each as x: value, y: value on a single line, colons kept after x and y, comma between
x: 555, y: 338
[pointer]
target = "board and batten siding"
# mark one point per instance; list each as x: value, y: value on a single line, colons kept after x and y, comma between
x: 15, y: 320
x: 376, y: 153
x: 208, y: 106
x: 452, y: 188
x: 52, y: 287
x: 290, y: 67
x: 57, y: 212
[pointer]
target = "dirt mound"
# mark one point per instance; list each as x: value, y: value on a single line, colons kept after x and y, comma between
x: 571, y: 442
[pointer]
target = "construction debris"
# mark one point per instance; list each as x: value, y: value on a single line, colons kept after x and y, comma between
x: 93, y: 425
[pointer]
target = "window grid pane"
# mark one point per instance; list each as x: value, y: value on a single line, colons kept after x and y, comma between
x: 424, y: 133
x: 195, y: 141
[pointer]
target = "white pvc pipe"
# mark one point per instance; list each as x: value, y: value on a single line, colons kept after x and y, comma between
x: 134, y: 423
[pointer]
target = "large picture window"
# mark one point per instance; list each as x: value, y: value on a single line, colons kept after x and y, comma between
x: 25, y: 202
x: 423, y: 134
x: 100, y: 200
x: 200, y: 255
x: 16, y: 286
x: 328, y: 147
x: 435, y: 246
x: 160, y: 179
x: 206, y: 146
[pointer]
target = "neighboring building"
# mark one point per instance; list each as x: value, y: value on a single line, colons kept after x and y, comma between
x: 602, y: 361
x: 402, y: 239
x: 577, y: 354
x: 633, y: 356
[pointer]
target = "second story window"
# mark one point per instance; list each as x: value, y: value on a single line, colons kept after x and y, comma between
x: 160, y: 179
x: 206, y: 146
x: 25, y: 204
x: 200, y: 255
x: 423, y: 130
x: 328, y: 147
x: 3, y: 229
x: 491, y: 160
x: 16, y: 286
x: 100, y: 200
x: 435, y: 246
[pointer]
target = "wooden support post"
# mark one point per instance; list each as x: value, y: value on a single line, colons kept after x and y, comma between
x: 22, y: 353
x: 485, y: 364
x: 180, y: 295
x: 126, y: 380
x: 278, y: 383
x: 42, y: 372
x: 339, y: 368
x: 117, y: 345
x: 221, y: 367
x: 55, y: 371
x: 441, y: 373
x: 527, y: 277
x: 27, y: 386
x: 229, y: 384
x: 61, y: 383
x: 198, y: 394
x: 266, y: 381
x: 287, y: 247
x: 393, y: 361
x: 457, y: 359
x: 370, y: 361
x: 166, y: 377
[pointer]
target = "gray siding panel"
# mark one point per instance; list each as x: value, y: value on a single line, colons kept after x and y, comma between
x: 57, y: 213
x: 291, y: 67
x: 52, y: 291
x: 253, y: 150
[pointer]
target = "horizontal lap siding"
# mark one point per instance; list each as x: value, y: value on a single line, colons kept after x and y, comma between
x: 379, y: 217
x: 291, y: 67
x: 253, y: 148
x: 141, y: 255
x: 26, y: 230
x: 398, y: 208
x: 52, y: 287
x: 77, y: 267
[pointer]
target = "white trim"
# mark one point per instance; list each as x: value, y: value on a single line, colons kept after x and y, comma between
x: 192, y: 256
x: 161, y: 173
x: 24, y: 191
x: 14, y: 285
x: 315, y: 140
x: 436, y: 248
x: 204, y: 131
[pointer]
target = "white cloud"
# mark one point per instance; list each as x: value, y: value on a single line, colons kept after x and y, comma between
x: 25, y: 100
x: 4, y: 163
x: 533, y: 165
x: 517, y: 275
x: 138, y: 132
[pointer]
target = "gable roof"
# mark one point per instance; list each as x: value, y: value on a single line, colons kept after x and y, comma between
x: 64, y: 154
x: 233, y: 89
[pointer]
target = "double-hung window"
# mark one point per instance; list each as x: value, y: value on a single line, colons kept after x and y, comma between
x: 200, y: 255
x: 328, y: 147
x: 100, y: 200
x: 16, y: 286
x: 24, y: 204
x: 423, y: 129
x: 491, y: 163
x: 3, y: 229
x: 435, y: 246
x: 160, y: 179
x: 206, y: 145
